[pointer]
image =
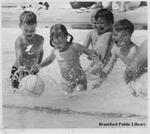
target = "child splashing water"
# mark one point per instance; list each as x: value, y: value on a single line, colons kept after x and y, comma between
x: 134, y: 57
x: 28, y: 48
x: 136, y: 72
x: 100, y: 39
x: 67, y: 53
x: 123, y: 47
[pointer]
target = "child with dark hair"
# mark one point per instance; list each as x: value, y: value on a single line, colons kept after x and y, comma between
x: 100, y: 39
x: 28, y: 48
x: 67, y: 53
x: 123, y: 47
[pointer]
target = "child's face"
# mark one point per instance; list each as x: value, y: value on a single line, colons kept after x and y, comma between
x: 59, y: 42
x: 121, y: 38
x: 28, y: 30
x: 102, y: 25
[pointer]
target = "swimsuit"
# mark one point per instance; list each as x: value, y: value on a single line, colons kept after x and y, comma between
x: 98, y: 63
x: 71, y: 70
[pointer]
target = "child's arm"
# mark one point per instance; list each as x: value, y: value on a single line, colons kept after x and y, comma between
x: 110, y: 64
x: 83, y: 49
x: 131, y: 53
x: 48, y: 60
x: 41, y: 56
x: 41, y: 52
x: 140, y: 58
x: 88, y: 40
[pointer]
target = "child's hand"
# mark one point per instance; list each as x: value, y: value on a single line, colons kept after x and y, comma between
x: 103, y: 75
x: 35, y: 68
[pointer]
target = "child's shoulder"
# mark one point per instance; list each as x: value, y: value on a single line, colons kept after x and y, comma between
x: 19, y: 40
x: 39, y: 37
x: 75, y: 46
x: 38, y: 40
x: 92, y: 33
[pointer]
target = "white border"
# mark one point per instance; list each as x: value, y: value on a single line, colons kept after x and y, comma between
x: 78, y: 131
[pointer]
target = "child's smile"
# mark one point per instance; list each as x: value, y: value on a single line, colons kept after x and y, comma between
x: 28, y: 31
x: 60, y: 43
x: 102, y: 26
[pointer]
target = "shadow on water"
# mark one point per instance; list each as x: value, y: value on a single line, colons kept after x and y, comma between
x: 73, y: 112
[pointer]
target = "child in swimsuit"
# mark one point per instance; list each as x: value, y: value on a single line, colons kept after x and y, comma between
x: 28, y: 48
x: 100, y: 39
x: 67, y: 54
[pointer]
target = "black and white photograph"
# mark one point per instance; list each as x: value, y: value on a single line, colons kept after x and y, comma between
x: 101, y: 84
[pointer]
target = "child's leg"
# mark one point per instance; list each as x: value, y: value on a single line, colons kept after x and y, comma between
x: 67, y: 86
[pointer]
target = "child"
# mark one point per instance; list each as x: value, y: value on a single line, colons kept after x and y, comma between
x: 123, y: 47
x: 67, y: 54
x: 100, y: 39
x: 28, y: 48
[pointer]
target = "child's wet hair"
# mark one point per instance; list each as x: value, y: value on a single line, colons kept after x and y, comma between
x: 124, y: 25
x: 28, y: 17
x: 58, y: 30
x: 106, y: 14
